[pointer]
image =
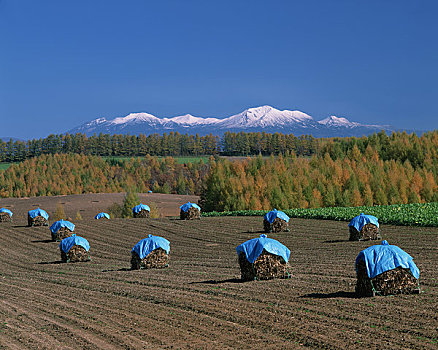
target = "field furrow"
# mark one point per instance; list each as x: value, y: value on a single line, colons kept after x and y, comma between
x: 199, y: 301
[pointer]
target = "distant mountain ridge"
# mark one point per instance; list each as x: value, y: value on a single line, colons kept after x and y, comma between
x: 263, y: 118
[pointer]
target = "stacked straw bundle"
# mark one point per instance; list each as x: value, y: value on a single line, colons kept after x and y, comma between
x: 364, y: 228
x: 396, y: 281
x: 390, y: 271
x: 102, y: 215
x: 190, y: 214
x: 62, y: 233
x: 37, y: 217
x: 37, y: 221
x: 275, y: 221
x: 266, y: 266
x: 278, y: 225
x: 262, y: 259
x: 61, y: 229
x: 150, y: 252
x: 141, y: 211
x: 368, y: 232
x: 74, y: 249
x: 142, y: 214
x: 5, y: 215
x: 76, y: 253
x: 190, y: 211
x: 157, y: 259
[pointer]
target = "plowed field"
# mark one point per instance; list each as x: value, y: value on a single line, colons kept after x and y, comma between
x: 88, y: 205
x: 199, y: 301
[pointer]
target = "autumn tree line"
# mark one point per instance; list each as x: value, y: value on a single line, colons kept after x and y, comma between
x: 288, y: 181
x: 375, y: 170
x: 397, y: 146
x: 59, y: 174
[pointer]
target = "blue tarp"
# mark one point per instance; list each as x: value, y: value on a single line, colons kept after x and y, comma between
x: 102, y: 215
x: 188, y: 205
x: 150, y: 243
x: 272, y: 215
x: 254, y: 247
x: 360, y: 221
x: 67, y: 243
x: 4, y: 210
x: 140, y: 207
x: 62, y: 223
x: 38, y: 212
x: 149, y: 191
x: 385, y: 257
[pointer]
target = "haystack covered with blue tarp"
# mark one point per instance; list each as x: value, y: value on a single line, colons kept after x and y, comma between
x: 386, y: 269
x: 364, y: 227
x: 141, y: 211
x: 37, y: 217
x: 189, y: 211
x: 150, y: 252
x: 102, y: 216
x: 61, y: 229
x: 276, y: 221
x: 74, y: 249
x: 5, y: 215
x: 263, y: 258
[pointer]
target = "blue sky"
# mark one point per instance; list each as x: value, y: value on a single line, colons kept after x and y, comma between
x: 63, y: 63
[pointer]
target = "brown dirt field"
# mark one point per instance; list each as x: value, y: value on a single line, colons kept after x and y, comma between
x: 198, y: 302
x: 93, y: 203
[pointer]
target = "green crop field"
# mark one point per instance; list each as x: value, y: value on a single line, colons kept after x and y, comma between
x: 4, y: 166
x: 419, y: 214
x: 179, y: 160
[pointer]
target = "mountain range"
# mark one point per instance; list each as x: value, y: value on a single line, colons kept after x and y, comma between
x: 264, y: 118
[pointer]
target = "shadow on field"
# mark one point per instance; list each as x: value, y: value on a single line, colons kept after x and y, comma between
x: 230, y: 280
x: 122, y: 269
x: 337, y: 241
x: 50, y: 262
x: 42, y: 241
x: 340, y: 294
x: 18, y: 226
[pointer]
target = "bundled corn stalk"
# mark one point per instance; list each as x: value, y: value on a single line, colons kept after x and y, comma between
x: 36, y: 221
x: 266, y: 266
x: 278, y: 225
x: 158, y: 258
x: 368, y: 232
x: 75, y: 254
x: 142, y: 214
x: 62, y: 233
x: 5, y: 217
x: 396, y: 281
x: 190, y: 214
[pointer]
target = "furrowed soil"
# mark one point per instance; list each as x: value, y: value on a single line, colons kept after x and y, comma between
x: 88, y: 205
x: 198, y: 302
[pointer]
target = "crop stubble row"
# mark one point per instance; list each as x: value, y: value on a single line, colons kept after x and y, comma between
x: 197, y: 301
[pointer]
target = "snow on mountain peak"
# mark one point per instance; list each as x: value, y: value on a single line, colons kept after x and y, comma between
x: 262, y: 118
x: 192, y: 120
x: 135, y: 118
x: 265, y: 116
x: 338, y: 122
x: 100, y: 120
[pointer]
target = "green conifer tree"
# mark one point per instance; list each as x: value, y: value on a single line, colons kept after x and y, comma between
x: 130, y: 201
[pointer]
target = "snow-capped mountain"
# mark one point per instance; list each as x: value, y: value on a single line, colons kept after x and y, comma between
x: 338, y: 122
x: 264, y: 118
